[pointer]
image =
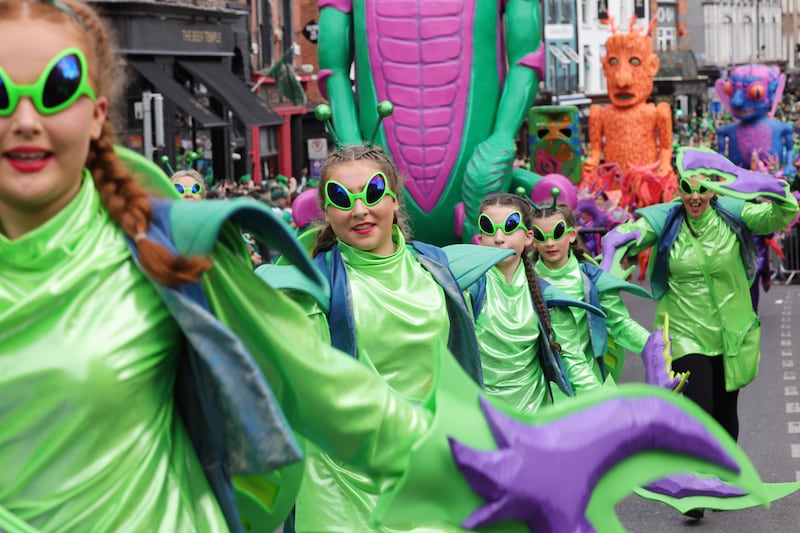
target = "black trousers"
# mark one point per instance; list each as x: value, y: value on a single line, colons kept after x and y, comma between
x: 706, y: 388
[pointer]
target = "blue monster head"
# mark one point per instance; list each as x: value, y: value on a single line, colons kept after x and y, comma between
x: 752, y: 92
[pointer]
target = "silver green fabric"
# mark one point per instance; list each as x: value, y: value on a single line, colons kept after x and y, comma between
x: 708, y: 294
x: 90, y: 439
x: 508, y: 335
x: 401, y: 323
x: 571, y: 329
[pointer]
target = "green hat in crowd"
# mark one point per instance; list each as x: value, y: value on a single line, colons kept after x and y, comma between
x: 278, y: 193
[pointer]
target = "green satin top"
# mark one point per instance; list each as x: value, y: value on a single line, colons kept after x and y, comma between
x: 401, y: 322
x: 571, y: 329
x: 90, y: 439
x: 708, y: 294
x: 508, y: 336
x: 400, y: 315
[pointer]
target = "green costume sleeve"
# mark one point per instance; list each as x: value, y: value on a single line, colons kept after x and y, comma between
x: 625, y: 331
x: 326, y: 396
x: 765, y: 218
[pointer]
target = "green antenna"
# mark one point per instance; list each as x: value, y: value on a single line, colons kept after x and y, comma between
x: 385, y: 109
x: 165, y: 162
x: 323, y: 113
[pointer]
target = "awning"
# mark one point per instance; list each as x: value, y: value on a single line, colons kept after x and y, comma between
x: 573, y: 99
x: 233, y: 92
x: 558, y: 54
x: 182, y: 98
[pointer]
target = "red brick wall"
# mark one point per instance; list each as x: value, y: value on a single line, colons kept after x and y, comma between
x: 304, y: 12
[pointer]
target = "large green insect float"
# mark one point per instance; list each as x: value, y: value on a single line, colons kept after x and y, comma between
x: 462, y: 75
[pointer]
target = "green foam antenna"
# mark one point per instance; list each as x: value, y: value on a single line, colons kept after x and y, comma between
x: 385, y: 109
x: 323, y: 113
x: 165, y: 162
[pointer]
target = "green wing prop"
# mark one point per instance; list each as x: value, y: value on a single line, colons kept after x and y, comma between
x: 263, y: 501
x: 469, y: 262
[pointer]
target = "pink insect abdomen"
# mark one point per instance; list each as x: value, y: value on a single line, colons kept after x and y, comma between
x: 421, y: 59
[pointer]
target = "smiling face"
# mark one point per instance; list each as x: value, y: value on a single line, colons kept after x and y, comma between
x: 41, y: 155
x: 367, y: 228
x: 554, y: 249
x: 698, y: 200
x: 629, y: 66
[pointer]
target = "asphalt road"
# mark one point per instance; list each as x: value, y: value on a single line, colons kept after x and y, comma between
x: 769, y: 419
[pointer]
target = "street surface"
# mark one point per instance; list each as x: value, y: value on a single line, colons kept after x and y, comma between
x: 769, y: 419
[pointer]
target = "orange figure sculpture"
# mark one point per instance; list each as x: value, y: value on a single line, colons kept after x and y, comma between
x: 631, y: 132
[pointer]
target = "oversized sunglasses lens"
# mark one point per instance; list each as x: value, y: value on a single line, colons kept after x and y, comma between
x: 512, y: 222
x: 196, y: 188
x: 62, y: 82
x: 338, y: 195
x: 538, y: 235
x: 179, y: 188
x: 486, y: 225
x: 376, y: 190
x: 687, y: 188
x: 5, y: 100
x: 559, y: 230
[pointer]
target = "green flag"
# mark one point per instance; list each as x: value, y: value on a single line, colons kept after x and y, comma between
x: 286, y: 82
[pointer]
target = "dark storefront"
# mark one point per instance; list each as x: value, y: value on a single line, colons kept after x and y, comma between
x: 679, y: 84
x: 184, y: 94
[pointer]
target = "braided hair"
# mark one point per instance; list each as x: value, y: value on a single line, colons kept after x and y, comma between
x: 526, y: 210
x: 326, y: 238
x: 127, y: 202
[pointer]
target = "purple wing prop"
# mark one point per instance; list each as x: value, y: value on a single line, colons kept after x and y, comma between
x: 685, y: 485
x: 544, y: 476
x: 612, y: 241
x: 738, y: 180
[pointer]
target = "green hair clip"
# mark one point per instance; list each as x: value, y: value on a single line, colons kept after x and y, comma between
x: 323, y: 113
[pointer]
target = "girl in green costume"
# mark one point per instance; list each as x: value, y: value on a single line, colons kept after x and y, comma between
x: 90, y: 435
x: 512, y: 309
x: 91, y: 438
x: 700, y: 267
x: 398, y: 315
x: 583, y: 338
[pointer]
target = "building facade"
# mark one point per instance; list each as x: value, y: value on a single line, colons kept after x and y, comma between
x: 186, y: 101
x: 737, y: 32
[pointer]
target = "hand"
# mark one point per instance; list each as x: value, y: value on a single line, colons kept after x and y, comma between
x: 612, y: 241
x: 657, y: 359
